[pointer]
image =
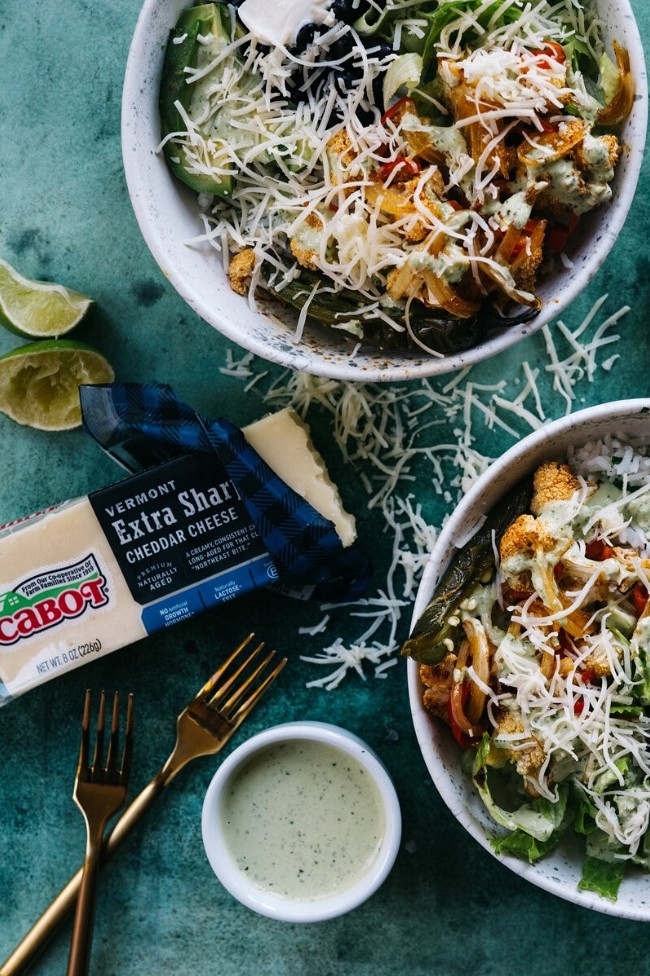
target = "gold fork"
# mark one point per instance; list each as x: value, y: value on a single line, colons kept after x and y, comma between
x: 99, y: 792
x: 202, y: 729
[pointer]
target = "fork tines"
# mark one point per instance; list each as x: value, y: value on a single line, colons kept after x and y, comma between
x: 116, y: 769
x: 241, y: 680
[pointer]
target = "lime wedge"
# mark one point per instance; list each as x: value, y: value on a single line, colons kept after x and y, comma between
x: 39, y: 382
x: 38, y: 309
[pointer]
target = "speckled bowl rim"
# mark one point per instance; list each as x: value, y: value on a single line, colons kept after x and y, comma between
x: 559, y: 873
x: 168, y: 215
x: 286, y: 909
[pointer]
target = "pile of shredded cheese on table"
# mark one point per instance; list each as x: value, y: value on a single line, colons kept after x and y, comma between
x: 416, y: 448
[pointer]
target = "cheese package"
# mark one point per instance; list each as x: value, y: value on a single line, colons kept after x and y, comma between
x: 91, y: 575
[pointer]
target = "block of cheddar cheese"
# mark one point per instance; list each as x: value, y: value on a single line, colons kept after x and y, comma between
x: 97, y: 573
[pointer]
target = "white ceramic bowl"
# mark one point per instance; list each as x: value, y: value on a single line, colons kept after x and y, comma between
x: 261, y: 899
x: 168, y: 216
x: 558, y: 873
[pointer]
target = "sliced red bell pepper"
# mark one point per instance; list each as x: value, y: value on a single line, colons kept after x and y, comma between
x: 546, y: 125
x: 598, y: 550
x: 557, y: 234
x: 407, y: 168
x: 527, y: 230
x: 397, y: 108
x: 555, y: 51
x: 463, y: 740
x: 639, y: 596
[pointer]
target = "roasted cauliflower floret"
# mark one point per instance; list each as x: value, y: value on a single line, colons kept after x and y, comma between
x: 418, y: 227
x: 529, y: 550
x: 340, y: 144
x: 588, y: 189
x: 598, y: 152
x: 240, y: 270
x: 604, y: 659
x: 341, y: 158
x: 528, y: 262
x: 525, y: 752
x: 552, y: 482
x: 304, y: 243
x: 525, y: 537
x: 437, y: 680
x: 598, y: 664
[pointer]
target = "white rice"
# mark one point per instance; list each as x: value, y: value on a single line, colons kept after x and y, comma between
x: 611, y: 459
x: 627, y: 466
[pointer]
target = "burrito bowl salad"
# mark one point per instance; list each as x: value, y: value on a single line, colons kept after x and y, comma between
x: 402, y: 172
x: 535, y: 650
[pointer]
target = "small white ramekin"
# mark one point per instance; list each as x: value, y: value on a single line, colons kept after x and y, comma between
x: 264, y: 902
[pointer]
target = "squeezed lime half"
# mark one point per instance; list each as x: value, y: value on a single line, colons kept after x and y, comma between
x: 39, y: 382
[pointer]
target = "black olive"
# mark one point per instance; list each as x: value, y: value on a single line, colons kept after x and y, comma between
x: 349, y: 10
x: 343, y: 10
x: 343, y: 82
x: 378, y: 92
x: 305, y: 37
x: 381, y: 50
x: 342, y: 47
x: 295, y: 92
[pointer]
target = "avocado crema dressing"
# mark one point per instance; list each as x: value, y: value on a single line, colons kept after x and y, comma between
x: 303, y: 819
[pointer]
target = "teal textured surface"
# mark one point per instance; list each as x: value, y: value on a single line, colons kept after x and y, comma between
x: 447, y: 908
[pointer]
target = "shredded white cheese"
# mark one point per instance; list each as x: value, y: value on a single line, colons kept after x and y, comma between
x: 306, y: 189
x: 415, y: 449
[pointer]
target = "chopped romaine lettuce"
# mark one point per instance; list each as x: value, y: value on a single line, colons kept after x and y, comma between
x: 602, y: 877
x: 540, y: 818
x: 522, y: 845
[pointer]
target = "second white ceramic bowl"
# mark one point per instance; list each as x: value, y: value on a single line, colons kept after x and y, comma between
x: 559, y: 872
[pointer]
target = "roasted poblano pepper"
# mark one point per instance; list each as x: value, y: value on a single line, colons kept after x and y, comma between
x: 434, y: 327
x: 471, y: 564
x: 189, y: 48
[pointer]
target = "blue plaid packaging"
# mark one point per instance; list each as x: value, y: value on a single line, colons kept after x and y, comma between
x: 143, y: 425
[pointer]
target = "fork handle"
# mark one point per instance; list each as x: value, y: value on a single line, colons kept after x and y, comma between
x: 82, y: 930
x: 25, y: 954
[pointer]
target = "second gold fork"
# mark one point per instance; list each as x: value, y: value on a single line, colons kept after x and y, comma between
x: 99, y: 792
x: 202, y: 729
